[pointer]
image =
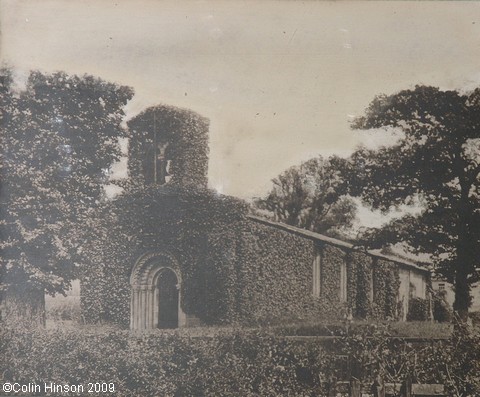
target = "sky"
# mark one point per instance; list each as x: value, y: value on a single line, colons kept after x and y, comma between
x: 280, y: 81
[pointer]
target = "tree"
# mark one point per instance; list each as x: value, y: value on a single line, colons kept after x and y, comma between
x: 434, y: 164
x: 311, y: 196
x: 59, y: 136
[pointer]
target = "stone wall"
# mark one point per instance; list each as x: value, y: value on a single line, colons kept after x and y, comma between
x: 278, y: 263
x: 240, y: 270
x: 274, y: 276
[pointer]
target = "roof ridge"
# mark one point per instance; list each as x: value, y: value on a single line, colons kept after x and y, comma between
x: 333, y: 241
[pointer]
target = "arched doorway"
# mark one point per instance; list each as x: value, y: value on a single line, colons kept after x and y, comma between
x: 168, y: 294
x: 156, y: 293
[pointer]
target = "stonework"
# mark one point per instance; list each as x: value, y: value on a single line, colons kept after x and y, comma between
x: 145, y: 299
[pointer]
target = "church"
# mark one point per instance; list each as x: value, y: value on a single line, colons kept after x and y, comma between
x: 171, y: 253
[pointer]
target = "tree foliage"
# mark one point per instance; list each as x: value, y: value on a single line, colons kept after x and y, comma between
x: 311, y: 196
x: 434, y: 164
x: 59, y: 136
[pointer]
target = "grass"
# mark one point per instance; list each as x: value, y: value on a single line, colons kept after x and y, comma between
x: 414, y: 329
x: 419, y: 329
x: 62, y: 316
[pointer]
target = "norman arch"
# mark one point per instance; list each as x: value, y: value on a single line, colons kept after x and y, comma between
x: 156, y: 293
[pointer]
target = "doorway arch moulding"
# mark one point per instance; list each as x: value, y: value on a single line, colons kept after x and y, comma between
x: 144, y: 302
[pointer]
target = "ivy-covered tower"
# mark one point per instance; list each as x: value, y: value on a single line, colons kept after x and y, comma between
x: 168, y: 145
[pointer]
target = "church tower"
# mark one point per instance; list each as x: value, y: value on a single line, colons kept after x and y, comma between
x: 168, y: 146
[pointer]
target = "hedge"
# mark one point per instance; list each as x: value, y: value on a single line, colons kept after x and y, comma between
x: 231, y: 362
x: 156, y: 364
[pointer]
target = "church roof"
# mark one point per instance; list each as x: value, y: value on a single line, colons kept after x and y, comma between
x: 336, y: 242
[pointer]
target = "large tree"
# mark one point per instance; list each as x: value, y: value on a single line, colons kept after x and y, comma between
x: 311, y: 196
x: 59, y: 135
x: 434, y: 165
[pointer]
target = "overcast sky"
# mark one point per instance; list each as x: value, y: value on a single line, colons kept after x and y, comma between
x: 278, y: 80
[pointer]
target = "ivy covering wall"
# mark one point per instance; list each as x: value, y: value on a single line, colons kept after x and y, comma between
x: 194, y: 226
x: 274, y: 275
x: 386, y: 283
x: 332, y: 259
x: 362, y: 284
x: 186, y: 135
x: 234, y: 269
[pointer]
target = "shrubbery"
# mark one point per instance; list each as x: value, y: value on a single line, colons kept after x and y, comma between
x: 475, y: 317
x: 65, y: 310
x: 164, y: 364
x: 418, y: 310
x: 453, y: 362
x: 442, y: 312
x: 234, y: 363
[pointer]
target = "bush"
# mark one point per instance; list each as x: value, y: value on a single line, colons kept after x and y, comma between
x: 164, y: 363
x: 475, y: 317
x: 418, y: 310
x: 232, y: 362
x: 454, y: 362
x: 65, y: 310
x: 421, y: 329
x: 461, y: 362
x: 441, y: 310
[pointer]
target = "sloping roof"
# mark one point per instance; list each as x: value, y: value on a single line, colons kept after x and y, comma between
x: 335, y: 242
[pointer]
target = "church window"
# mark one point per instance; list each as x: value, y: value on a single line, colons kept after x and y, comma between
x: 157, y: 165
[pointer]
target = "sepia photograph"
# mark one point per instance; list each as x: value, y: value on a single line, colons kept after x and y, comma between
x: 229, y: 198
